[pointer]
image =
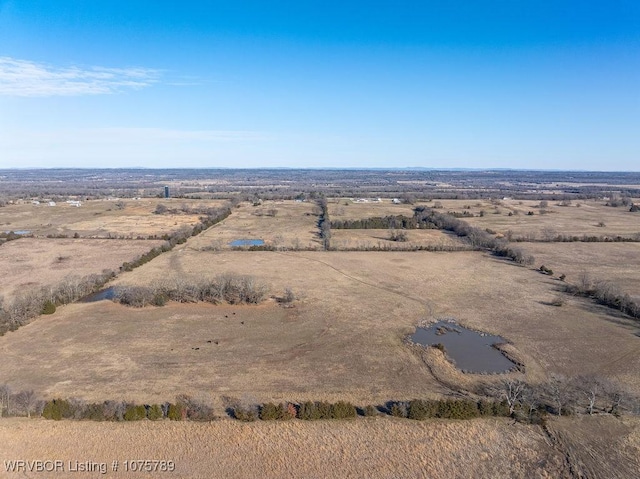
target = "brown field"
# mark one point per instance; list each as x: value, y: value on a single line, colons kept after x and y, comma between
x: 99, y: 218
x: 618, y: 263
x: 348, y: 209
x: 293, y: 226
x: 343, y: 339
x: 366, y: 448
x: 342, y: 239
x: 32, y: 262
x: 566, y: 220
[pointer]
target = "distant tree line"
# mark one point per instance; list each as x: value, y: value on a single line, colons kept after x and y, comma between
x: 562, y: 238
x: 386, y: 222
x: 31, y: 303
x: 428, y: 218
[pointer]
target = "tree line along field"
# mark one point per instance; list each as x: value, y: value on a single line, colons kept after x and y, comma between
x: 30, y: 263
x: 343, y: 337
x: 126, y: 218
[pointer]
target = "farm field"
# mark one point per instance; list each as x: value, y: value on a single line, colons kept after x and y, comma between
x: 100, y: 218
x: 344, y: 337
x: 345, y: 239
x: 617, y: 263
x: 570, y: 220
x: 371, y: 448
x: 281, y: 224
x: 32, y: 262
x: 591, y: 218
x: 348, y: 209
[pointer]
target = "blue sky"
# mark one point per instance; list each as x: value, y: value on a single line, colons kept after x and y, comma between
x: 476, y: 84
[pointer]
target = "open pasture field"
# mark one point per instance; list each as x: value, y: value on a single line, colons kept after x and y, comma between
x: 31, y: 262
x: 342, y: 340
x: 348, y: 209
x: 286, y: 224
x: 586, y: 219
x: 345, y: 239
x: 100, y: 218
x: 618, y: 263
x: 511, y: 215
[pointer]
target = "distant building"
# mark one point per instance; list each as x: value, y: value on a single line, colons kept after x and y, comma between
x: 52, y: 203
x: 166, y: 192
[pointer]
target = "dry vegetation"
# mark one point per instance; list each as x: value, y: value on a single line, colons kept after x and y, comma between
x: 333, y: 328
x: 344, y: 340
x: 100, y: 218
x: 618, y: 263
x: 32, y: 262
x: 392, y: 448
x: 280, y: 224
x: 551, y: 220
x: 487, y: 448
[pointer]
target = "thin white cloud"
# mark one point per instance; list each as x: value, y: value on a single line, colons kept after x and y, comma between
x: 31, y: 79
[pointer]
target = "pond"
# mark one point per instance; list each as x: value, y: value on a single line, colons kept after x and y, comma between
x: 107, y: 293
x: 19, y: 232
x: 247, y: 242
x: 469, y: 350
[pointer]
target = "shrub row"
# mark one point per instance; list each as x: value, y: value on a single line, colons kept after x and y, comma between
x: 31, y: 303
x: 581, y: 239
x: 386, y: 222
x: 605, y: 293
x: 229, y: 288
x: 213, y: 217
x: 324, y: 223
x: 475, y: 236
x: 428, y: 218
x: 527, y: 403
x: 58, y: 409
x: 420, y: 409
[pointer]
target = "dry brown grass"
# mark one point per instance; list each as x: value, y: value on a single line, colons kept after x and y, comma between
x: 566, y: 220
x: 599, y: 446
x: 343, y: 340
x: 347, y: 209
x: 293, y: 226
x: 367, y: 448
x: 99, y: 218
x: 29, y: 262
x: 345, y: 239
x: 615, y: 262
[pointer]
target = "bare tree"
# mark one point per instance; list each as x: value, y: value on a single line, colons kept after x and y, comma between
x: 511, y: 391
x: 26, y: 402
x: 548, y: 234
x: 559, y: 393
x: 530, y: 400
